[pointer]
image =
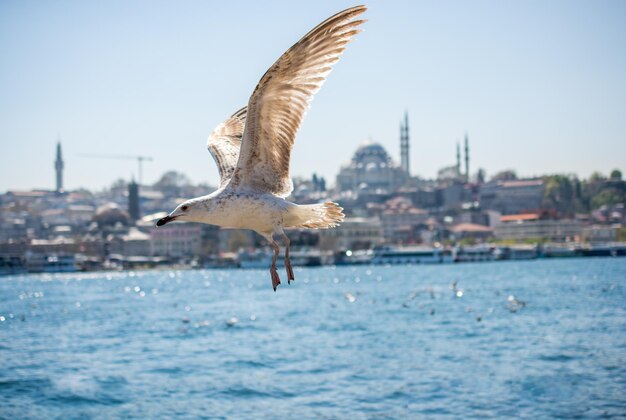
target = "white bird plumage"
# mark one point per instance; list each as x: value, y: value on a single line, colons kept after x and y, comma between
x: 252, y: 148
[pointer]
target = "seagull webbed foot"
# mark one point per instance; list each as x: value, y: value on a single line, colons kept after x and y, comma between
x: 275, y: 278
x: 290, y: 276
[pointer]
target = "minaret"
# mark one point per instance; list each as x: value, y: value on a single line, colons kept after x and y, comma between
x: 404, y: 145
x: 58, y: 166
x: 133, y: 201
x: 458, y: 159
x: 467, y: 170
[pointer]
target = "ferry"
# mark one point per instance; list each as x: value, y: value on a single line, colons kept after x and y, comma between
x: 263, y: 259
x: 473, y: 253
x: 358, y: 257
x: 558, y: 251
x: 604, y: 250
x: 60, y: 264
x: 11, y: 264
x: 411, y: 255
x: 51, y: 264
x: 517, y: 252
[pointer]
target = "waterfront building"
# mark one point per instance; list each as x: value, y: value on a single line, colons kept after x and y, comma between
x: 177, y: 240
x: 453, y: 195
x: 56, y: 246
x: 601, y: 233
x: 399, y: 219
x: 71, y: 215
x: 615, y: 213
x: 132, y: 243
x: 470, y: 231
x: 24, y: 198
x: 512, y: 196
x: 424, y: 197
x: 538, y: 226
x: 471, y: 213
x: 231, y: 240
x: 353, y: 233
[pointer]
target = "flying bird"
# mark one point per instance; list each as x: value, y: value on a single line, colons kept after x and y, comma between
x: 252, y: 148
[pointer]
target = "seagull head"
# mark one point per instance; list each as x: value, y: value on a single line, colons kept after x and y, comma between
x: 188, y: 211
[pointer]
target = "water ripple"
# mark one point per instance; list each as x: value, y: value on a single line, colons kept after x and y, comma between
x: 539, y: 339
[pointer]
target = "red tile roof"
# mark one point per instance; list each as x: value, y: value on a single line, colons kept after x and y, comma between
x: 520, y: 217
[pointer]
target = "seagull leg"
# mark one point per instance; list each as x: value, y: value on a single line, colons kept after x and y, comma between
x: 273, y: 272
x: 290, y: 276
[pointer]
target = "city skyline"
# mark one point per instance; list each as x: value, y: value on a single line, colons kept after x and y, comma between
x: 462, y: 173
x: 539, y: 88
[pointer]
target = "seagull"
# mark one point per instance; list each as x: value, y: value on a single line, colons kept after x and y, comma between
x: 252, y: 148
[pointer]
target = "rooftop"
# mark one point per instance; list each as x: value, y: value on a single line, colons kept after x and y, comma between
x: 519, y: 183
x: 520, y: 217
x: 470, y: 227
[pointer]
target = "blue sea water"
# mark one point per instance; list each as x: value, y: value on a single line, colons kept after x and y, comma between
x: 533, y: 339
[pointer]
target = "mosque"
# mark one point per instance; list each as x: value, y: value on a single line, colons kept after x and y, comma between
x: 372, y: 170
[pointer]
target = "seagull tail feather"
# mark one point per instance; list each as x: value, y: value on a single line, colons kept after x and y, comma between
x: 316, y: 216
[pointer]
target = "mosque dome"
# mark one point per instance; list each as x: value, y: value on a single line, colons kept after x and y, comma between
x: 370, y: 155
x: 369, y: 150
x: 110, y: 214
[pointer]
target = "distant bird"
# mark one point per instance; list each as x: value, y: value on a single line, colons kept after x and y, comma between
x: 252, y: 148
x: 515, y: 304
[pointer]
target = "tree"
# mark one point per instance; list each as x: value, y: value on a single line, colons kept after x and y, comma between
x: 172, y: 179
x: 559, y: 194
x: 119, y: 184
x: 616, y: 175
x: 607, y: 197
x: 581, y: 201
x: 172, y: 183
x: 481, y: 176
x: 596, y: 177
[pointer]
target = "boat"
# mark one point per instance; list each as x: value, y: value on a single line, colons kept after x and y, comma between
x: 411, y: 255
x: 11, y: 264
x: 473, y: 253
x: 56, y: 263
x: 558, y: 251
x: 263, y: 259
x: 604, y: 250
x: 358, y: 257
x: 517, y: 252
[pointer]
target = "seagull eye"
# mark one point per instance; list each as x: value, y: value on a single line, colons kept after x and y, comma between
x: 184, y: 208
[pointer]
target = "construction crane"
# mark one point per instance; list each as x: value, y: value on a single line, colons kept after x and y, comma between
x: 139, y: 159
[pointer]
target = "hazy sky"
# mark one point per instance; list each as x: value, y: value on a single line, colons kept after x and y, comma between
x: 540, y: 86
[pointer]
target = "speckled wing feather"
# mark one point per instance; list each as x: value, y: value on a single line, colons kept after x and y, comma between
x: 224, y: 144
x: 280, y: 100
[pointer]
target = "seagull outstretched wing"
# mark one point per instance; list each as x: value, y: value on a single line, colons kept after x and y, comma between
x: 280, y: 100
x: 225, y: 142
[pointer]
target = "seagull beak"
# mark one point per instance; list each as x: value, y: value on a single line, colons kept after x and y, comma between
x: 165, y: 220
